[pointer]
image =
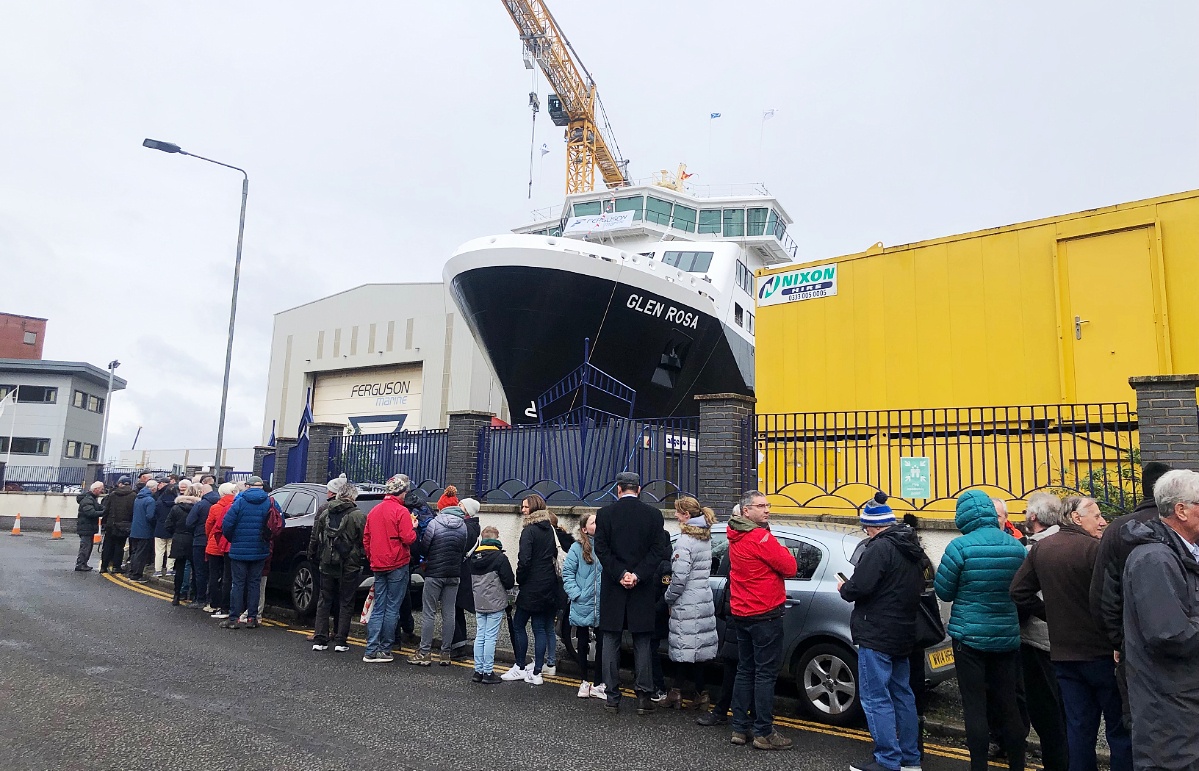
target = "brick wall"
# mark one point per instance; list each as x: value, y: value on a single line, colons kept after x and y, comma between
x: 1168, y: 419
x: 319, y: 436
x: 12, y: 337
x: 462, y: 451
x: 282, y: 445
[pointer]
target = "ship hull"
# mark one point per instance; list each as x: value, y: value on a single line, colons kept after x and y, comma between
x: 532, y: 322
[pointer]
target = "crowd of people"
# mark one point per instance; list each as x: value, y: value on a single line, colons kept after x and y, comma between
x: 1069, y: 623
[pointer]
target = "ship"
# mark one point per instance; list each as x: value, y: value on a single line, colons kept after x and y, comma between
x: 653, y: 283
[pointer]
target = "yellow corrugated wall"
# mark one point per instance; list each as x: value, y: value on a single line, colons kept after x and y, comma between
x: 986, y: 318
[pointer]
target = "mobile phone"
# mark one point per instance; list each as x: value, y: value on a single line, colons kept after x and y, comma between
x: 843, y: 577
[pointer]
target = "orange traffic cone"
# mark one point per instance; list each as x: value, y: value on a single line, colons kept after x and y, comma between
x: 57, y: 534
x: 16, y: 525
x: 99, y: 527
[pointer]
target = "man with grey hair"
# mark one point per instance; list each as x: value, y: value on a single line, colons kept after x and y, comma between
x: 87, y: 523
x: 388, y: 538
x: 1161, y: 626
x: 1041, y: 700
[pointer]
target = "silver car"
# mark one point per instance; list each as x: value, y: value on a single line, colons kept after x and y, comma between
x: 818, y: 651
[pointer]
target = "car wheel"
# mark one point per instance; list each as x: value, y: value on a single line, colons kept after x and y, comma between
x: 304, y: 588
x: 827, y: 678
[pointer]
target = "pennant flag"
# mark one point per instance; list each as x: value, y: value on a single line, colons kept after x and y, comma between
x: 271, y: 442
x: 714, y: 115
x: 545, y: 150
x: 767, y: 114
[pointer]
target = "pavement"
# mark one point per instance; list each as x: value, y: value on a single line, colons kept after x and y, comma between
x: 100, y: 673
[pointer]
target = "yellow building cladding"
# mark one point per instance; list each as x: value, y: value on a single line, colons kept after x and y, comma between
x: 869, y: 359
x: 1055, y: 311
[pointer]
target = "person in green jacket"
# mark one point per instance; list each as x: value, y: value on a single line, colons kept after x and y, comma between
x: 336, y: 546
x: 975, y: 575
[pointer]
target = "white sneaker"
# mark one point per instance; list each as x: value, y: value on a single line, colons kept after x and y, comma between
x: 244, y: 617
x: 340, y: 648
x: 319, y: 647
x: 220, y: 614
x: 533, y: 679
x: 209, y: 609
x: 516, y: 673
x: 584, y: 689
x: 549, y: 670
x: 909, y: 768
x: 599, y: 691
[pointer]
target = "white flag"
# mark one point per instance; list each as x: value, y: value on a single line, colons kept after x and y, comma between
x: 767, y: 114
x: 7, y: 400
x: 545, y: 150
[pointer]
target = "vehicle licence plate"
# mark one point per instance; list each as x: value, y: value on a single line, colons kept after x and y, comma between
x: 940, y: 658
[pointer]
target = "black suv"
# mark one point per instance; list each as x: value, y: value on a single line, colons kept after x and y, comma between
x: 291, y: 571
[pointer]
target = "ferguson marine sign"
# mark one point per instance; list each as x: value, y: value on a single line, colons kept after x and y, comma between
x: 370, y: 401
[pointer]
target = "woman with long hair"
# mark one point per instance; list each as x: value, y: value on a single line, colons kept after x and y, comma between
x: 692, y: 636
x: 537, y: 601
x: 581, y: 578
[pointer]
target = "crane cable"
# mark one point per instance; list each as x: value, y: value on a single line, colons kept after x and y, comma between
x: 534, y: 105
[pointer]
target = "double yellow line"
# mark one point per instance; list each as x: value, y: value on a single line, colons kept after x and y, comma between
x: 941, y: 751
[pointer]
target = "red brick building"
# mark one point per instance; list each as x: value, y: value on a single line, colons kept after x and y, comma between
x: 21, y: 337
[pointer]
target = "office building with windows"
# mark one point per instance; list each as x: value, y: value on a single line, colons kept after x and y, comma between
x: 57, y: 418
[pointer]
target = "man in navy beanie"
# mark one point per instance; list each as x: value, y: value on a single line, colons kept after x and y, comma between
x: 885, y: 589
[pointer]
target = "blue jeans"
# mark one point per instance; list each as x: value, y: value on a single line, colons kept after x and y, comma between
x: 390, y: 588
x: 247, y: 578
x: 1088, y: 691
x: 759, y: 654
x: 890, y: 707
x: 542, y: 624
x: 199, y: 574
x: 487, y: 629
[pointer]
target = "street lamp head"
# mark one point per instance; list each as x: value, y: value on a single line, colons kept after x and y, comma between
x: 166, y: 147
x: 114, y: 364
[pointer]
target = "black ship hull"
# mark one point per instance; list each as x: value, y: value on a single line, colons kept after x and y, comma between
x: 531, y: 322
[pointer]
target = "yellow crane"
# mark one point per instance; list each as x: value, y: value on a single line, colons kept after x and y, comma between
x: 575, y: 103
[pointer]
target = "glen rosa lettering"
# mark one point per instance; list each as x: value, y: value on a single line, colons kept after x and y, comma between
x: 660, y: 310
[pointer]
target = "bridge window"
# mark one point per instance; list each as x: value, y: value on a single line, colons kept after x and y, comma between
x: 755, y: 221
x: 684, y: 218
x: 734, y: 222
x: 691, y: 262
x: 635, y: 204
x: 658, y: 211
x: 709, y: 221
x: 587, y: 209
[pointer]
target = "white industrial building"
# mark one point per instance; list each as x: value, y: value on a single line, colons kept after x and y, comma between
x: 377, y: 358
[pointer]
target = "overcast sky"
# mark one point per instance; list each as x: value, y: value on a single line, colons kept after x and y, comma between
x: 380, y: 135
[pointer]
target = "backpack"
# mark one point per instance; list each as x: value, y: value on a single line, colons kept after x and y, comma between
x: 335, y: 543
x: 273, y: 524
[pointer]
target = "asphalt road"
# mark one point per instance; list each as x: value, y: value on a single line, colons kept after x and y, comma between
x: 97, y: 673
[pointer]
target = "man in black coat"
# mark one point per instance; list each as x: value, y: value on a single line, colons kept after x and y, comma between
x: 630, y: 541
x: 87, y: 523
x: 118, y: 515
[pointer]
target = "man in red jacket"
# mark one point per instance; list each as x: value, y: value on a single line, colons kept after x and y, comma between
x: 388, y: 535
x: 758, y: 566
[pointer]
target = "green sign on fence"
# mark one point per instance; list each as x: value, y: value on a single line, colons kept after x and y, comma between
x: 915, y: 480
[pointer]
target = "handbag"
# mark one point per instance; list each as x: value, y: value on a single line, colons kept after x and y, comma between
x: 930, y: 630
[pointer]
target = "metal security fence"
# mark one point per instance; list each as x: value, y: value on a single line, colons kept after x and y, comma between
x: 837, y: 460
x: 375, y: 458
x: 575, y: 459
x: 42, y: 478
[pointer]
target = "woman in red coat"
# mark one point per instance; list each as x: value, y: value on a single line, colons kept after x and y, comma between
x: 217, y: 551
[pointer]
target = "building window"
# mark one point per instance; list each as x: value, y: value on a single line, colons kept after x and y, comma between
x: 31, y: 338
x: 70, y: 449
x: 25, y: 445
x: 738, y: 315
x: 90, y: 451
x: 85, y: 401
x: 31, y: 394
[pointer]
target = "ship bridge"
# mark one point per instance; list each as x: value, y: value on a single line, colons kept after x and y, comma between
x: 644, y: 215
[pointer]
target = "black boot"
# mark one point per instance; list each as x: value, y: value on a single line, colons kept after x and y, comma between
x: 175, y: 600
x: 645, y: 704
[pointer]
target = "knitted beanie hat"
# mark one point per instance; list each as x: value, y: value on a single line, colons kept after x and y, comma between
x: 876, y: 512
x: 398, y: 484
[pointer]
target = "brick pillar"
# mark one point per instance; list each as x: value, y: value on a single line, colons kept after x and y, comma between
x: 260, y: 452
x: 1168, y: 419
x: 319, y: 436
x: 94, y: 473
x: 722, y: 449
x: 282, y: 445
x: 462, y: 451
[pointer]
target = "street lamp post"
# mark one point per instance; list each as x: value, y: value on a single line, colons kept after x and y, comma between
x: 112, y: 368
x: 167, y: 147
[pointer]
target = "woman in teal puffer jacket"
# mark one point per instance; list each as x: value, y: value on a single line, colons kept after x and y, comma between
x: 975, y: 575
x: 581, y: 578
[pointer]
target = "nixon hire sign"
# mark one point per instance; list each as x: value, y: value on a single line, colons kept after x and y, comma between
x: 799, y: 284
